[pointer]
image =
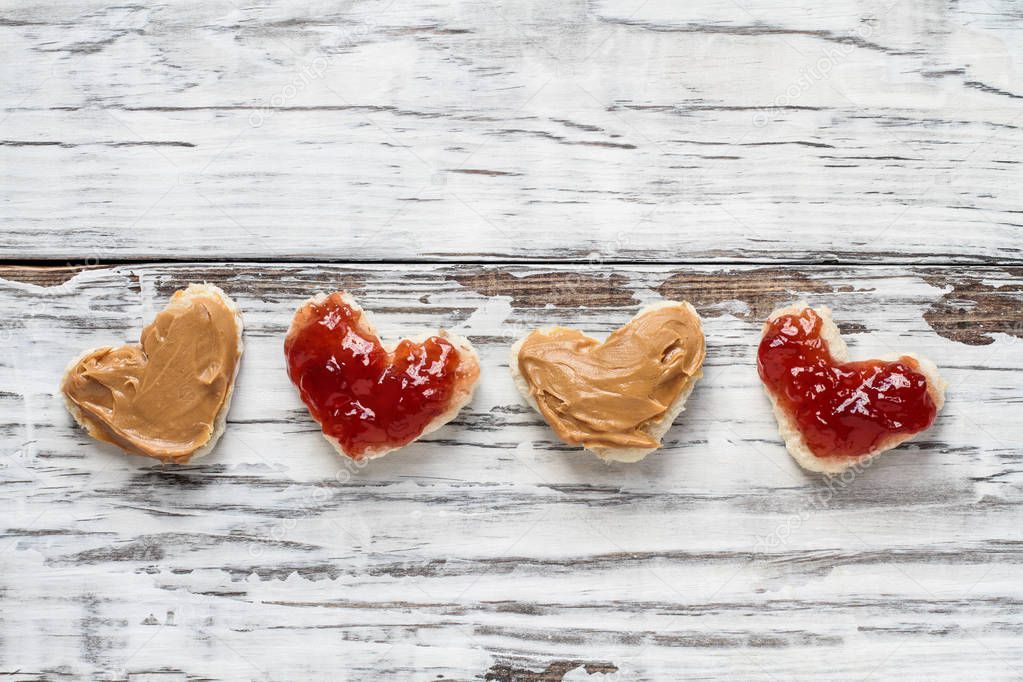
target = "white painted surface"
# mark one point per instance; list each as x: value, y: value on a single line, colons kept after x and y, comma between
x: 857, y: 131
x: 489, y: 544
x: 751, y: 131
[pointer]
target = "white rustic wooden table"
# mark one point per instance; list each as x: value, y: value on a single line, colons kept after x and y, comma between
x: 490, y: 166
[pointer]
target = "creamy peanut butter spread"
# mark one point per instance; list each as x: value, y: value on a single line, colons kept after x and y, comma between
x: 607, y: 394
x: 161, y: 397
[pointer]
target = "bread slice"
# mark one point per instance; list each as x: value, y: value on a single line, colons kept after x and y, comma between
x: 655, y: 428
x: 467, y: 373
x: 787, y: 426
x: 180, y: 298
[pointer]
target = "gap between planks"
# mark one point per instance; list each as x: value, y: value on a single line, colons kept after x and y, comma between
x: 89, y: 264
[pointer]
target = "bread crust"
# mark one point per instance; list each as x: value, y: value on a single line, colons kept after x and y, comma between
x: 832, y: 336
x: 467, y: 374
x: 220, y: 421
x: 655, y: 428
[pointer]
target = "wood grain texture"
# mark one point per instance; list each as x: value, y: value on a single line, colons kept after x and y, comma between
x: 488, y: 550
x: 856, y: 131
x: 422, y: 147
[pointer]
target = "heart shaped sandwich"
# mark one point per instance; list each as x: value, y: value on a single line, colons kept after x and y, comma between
x: 834, y: 414
x: 167, y: 396
x: 616, y: 398
x: 368, y: 399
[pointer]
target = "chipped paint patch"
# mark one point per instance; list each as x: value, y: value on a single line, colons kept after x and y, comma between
x: 256, y: 282
x: 852, y: 328
x: 44, y: 276
x: 972, y: 311
x: 559, y: 289
x: 554, y: 672
x: 762, y: 290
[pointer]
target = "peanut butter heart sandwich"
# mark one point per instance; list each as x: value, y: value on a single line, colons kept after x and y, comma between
x: 832, y: 413
x: 616, y: 398
x: 166, y: 396
x: 367, y: 398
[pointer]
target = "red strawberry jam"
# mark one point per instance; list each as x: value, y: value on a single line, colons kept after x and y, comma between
x: 842, y: 409
x: 362, y: 395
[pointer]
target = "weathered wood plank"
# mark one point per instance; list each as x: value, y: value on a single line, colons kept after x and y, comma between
x: 490, y: 549
x: 854, y: 131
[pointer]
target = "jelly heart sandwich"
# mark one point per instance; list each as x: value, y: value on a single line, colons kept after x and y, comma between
x: 616, y: 398
x: 166, y: 396
x: 834, y: 414
x: 368, y: 399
